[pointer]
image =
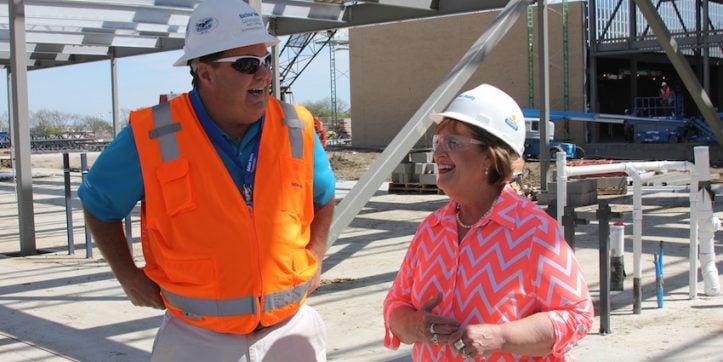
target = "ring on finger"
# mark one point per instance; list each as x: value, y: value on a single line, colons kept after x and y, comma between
x: 435, y: 338
x: 431, y: 328
x: 459, y: 345
x: 465, y: 353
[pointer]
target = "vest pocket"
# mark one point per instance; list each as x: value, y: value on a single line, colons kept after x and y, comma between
x: 175, y: 183
x: 296, y: 187
x: 194, y: 273
x: 175, y: 266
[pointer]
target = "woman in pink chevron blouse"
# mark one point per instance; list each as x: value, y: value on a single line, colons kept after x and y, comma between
x: 487, y: 276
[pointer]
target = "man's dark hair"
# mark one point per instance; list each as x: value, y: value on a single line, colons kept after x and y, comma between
x: 206, y: 58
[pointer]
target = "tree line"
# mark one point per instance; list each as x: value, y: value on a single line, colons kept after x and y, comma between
x: 322, y: 108
x: 45, y: 122
x: 48, y: 123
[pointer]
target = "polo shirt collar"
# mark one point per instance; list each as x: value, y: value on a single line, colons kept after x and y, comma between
x: 504, y: 211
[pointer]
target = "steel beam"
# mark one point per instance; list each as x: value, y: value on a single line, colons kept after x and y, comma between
x: 670, y: 45
x: 293, y: 17
x: 420, y: 121
x: 634, y: 46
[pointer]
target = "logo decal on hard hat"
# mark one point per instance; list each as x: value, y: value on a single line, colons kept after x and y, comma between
x: 511, y: 122
x: 251, y: 21
x: 246, y: 15
x: 205, y: 25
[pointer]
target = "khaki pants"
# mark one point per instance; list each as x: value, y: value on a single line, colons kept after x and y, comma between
x: 301, y: 338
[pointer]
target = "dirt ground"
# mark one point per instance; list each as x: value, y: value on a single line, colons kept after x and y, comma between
x: 348, y: 164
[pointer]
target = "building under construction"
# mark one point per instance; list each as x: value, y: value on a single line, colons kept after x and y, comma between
x: 603, y: 57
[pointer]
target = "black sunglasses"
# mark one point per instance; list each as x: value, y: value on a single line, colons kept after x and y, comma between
x: 247, y: 64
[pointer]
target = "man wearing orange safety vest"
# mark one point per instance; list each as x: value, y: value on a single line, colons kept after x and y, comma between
x: 237, y: 198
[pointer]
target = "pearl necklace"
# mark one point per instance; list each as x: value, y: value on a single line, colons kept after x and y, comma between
x: 468, y: 226
x: 459, y: 221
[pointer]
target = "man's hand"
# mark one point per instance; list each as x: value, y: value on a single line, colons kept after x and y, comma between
x: 316, y: 279
x: 319, y: 234
x: 141, y: 290
x: 112, y: 243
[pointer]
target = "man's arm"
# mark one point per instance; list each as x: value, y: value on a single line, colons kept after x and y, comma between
x: 111, y: 241
x: 319, y: 234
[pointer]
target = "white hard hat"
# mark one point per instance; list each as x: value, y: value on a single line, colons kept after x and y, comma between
x: 492, y: 110
x: 218, y: 25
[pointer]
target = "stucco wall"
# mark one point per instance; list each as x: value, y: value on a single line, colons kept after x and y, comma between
x: 395, y: 67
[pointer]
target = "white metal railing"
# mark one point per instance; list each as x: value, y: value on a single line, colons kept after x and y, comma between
x: 703, y: 222
x: 613, y: 25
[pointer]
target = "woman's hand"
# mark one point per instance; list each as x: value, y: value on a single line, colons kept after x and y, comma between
x: 432, y: 328
x: 412, y: 325
x: 478, y: 340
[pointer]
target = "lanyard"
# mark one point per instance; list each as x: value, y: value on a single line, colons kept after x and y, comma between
x: 217, y: 138
x: 248, y: 186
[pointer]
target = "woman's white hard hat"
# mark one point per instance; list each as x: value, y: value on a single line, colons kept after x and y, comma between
x: 492, y: 110
x: 218, y: 25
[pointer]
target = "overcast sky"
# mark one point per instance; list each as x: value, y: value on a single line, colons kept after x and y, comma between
x: 85, y: 89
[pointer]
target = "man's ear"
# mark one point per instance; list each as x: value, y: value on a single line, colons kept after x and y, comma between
x: 203, y: 71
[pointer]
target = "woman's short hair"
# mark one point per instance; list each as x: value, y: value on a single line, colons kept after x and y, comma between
x: 501, y: 154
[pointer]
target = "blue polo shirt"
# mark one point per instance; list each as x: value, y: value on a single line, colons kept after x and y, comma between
x: 114, y: 184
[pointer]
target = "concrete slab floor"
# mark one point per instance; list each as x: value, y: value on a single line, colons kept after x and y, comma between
x: 56, y: 307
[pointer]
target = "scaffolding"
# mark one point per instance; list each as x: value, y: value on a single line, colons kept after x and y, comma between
x: 296, y: 55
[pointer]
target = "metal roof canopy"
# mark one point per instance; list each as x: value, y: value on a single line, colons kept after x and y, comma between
x: 138, y: 17
x: 61, y: 32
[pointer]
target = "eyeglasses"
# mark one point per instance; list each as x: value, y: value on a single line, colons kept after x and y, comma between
x: 247, y: 64
x: 452, y: 143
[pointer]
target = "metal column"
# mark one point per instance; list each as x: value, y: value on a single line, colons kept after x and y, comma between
x: 544, y: 64
x: 568, y: 221
x: 68, y: 203
x: 10, y: 115
x: 632, y: 35
x: 592, y: 69
x: 276, y: 80
x: 88, y: 238
x: 603, y: 216
x: 21, y: 130
x: 706, y: 48
x: 418, y: 124
x: 114, y: 91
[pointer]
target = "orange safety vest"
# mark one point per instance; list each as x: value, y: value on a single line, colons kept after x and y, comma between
x: 220, y: 264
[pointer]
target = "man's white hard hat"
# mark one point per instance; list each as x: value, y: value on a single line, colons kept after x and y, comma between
x: 491, y: 109
x: 218, y: 25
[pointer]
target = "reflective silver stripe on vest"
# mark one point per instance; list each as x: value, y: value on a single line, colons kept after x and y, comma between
x: 291, y: 120
x: 200, y: 307
x: 285, y: 297
x: 212, y: 307
x: 165, y: 131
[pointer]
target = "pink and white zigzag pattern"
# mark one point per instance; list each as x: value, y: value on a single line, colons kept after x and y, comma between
x: 509, y: 266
